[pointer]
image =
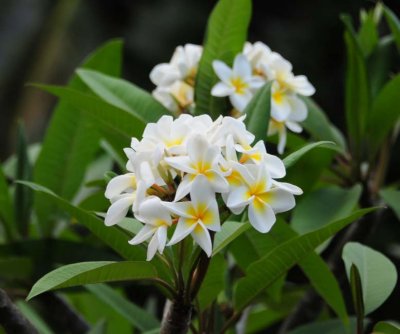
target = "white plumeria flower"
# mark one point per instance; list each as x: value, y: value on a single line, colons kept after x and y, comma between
x: 202, y: 160
x: 238, y: 83
x: 124, y: 192
x: 182, y: 67
x: 260, y: 56
x: 282, y: 71
x: 262, y: 197
x: 197, y: 216
x: 157, y: 220
x: 177, y: 97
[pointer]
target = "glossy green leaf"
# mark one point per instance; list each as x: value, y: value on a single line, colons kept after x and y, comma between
x: 384, y: 327
x: 213, y: 283
x: 292, y: 158
x: 116, y: 125
x: 22, y: 195
x: 392, y: 198
x: 356, y: 292
x: 257, y: 245
x: 324, y: 205
x: 30, y: 313
x: 113, y: 237
x: 357, y: 92
x: 6, y: 209
x: 77, y: 274
x: 376, y: 287
x: 319, y: 126
x: 385, y: 113
x: 71, y: 140
x: 265, y: 271
x: 230, y: 230
x: 225, y: 37
x: 139, y: 318
x: 368, y: 35
x: 258, y: 112
x: 99, y: 328
x: 124, y: 95
x: 394, y: 24
x: 331, y: 326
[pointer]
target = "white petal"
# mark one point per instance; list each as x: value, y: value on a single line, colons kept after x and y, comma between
x: 164, y: 74
x: 238, y: 199
x: 184, y: 187
x: 282, y: 140
x: 221, y: 89
x: 281, y: 200
x: 275, y: 166
x: 240, y: 101
x: 218, y: 182
x: 145, y: 233
x: 151, y: 210
x: 152, y: 247
x: 294, y: 127
x: 180, y: 163
x: 302, y: 86
x: 119, y: 184
x: 241, y: 67
x: 146, y: 173
x: 222, y: 70
x: 162, y: 238
x: 288, y: 187
x: 118, y: 210
x: 202, y: 238
x: 197, y: 148
x: 261, y: 217
x: 299, y: 110
x: 201, y: 192
x: 183, y: 229
x: 181, y: 209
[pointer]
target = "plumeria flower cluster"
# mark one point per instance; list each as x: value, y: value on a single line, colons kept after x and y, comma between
x: 184, y: 173
x: 175, y: 80
x: 252, y: 68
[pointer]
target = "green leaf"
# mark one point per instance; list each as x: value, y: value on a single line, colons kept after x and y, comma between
x: 77, y: 274
x: 368, y: 35
x: 324, y: 205
x: 356, y: 292
x: 319, y: 126
x: 30, y: 313
x: 376, y: 287
x: 71, y: 140
x: 6, y: 208
x: 113, y: 237
x: 292, y: 158
x: 384, y: 327
x: 357, y: 92
x: 331, y: 326
x: 394, y: 24
x: 116, y: 125
x: 384, y: 113
x: 22, y: 195
x: 265, y: 271
x: 225, y: 37
x: 258, y: 112
x: 257, y: 245
x: 99, y: 328
x: 139, y: 318
x: 392, y: 198
x: 124, y: 95
x: 213, y: 283
x: 230, y: 230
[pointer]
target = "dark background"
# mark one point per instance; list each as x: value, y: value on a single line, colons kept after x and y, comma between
x: 45, y: 40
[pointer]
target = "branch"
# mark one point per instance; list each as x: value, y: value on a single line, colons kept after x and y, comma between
x: 12, y: 320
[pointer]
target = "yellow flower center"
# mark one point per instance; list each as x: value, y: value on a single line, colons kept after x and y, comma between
x: 239, y: 85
